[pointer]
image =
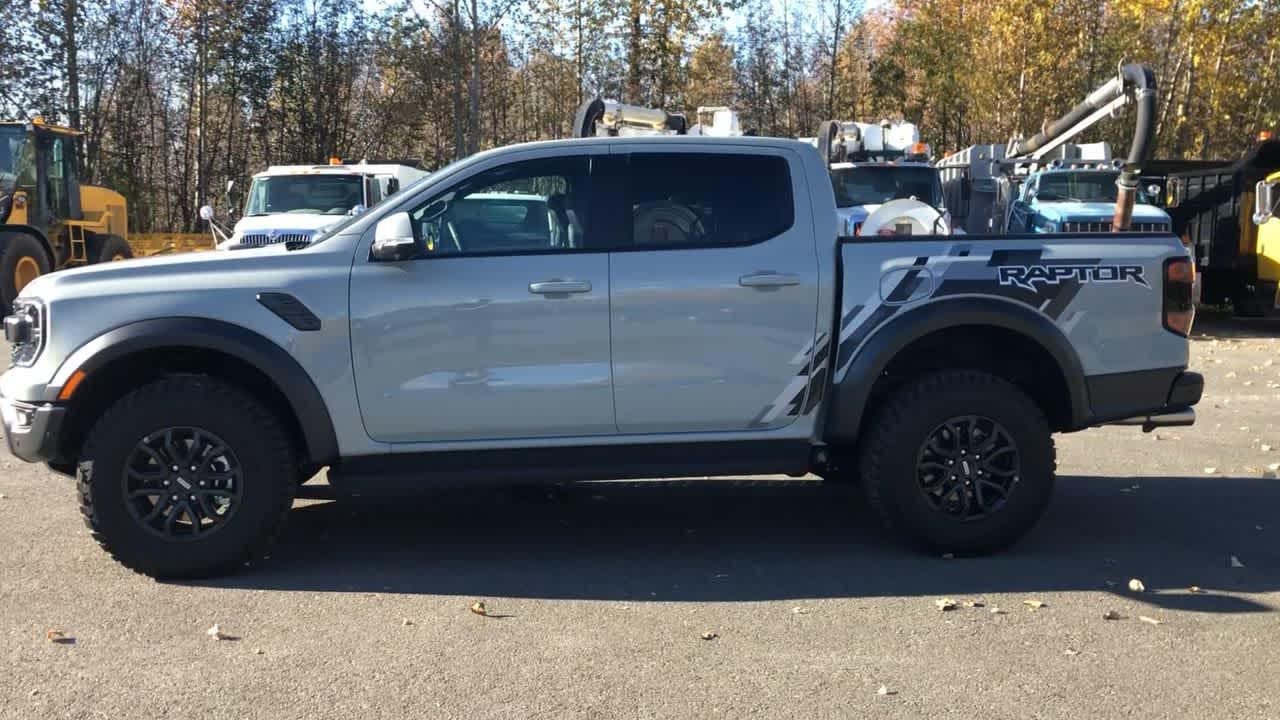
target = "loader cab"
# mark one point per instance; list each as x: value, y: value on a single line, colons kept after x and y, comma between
x: 38, y: 175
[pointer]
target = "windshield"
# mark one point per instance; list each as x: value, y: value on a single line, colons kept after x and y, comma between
x: 313, y: 194
x: 878, y: 184
x: 17, y: 159
x: 337, y: 228
x: 1081, y: 187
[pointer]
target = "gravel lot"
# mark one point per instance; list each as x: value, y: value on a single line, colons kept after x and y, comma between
x: 599, y: 596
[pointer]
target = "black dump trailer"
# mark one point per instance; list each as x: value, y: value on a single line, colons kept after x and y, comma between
x: 1211, y: 204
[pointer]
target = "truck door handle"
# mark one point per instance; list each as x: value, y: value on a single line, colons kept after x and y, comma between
x: 768, y: 279
x: 559, y: 287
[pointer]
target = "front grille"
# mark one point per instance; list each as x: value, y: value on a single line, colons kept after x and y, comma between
x: 1087, y: 227
x: 262, y: 239
x: 1104, y: 226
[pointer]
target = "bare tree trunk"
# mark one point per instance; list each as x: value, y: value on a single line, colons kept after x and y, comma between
x: 473, y: 83
x: 835, y: 58
x: 635, y: 39
x: 69, y: 12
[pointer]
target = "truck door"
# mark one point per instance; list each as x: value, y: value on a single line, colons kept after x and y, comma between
x: 714, y: 294
x: 502, y: 329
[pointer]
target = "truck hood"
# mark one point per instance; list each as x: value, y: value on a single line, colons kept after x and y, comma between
x: 286, y: 221
x: 194, y: 270
x: 1096, y: 212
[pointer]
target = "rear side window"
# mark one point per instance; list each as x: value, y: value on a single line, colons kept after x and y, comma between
x: 687, y: 200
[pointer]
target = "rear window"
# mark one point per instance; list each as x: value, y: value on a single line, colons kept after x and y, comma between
x: 690, y: 200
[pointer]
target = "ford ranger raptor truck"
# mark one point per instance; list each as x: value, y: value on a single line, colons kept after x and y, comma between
x: 668, y: 307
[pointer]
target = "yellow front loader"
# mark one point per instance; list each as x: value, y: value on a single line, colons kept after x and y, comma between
x: 48, y: 220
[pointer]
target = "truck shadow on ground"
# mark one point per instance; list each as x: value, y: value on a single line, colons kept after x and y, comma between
x: 1212, y: 322
x: 730, y: 541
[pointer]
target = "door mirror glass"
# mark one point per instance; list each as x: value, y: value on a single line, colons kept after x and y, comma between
x: 393, y: 239
x: 1153, y: 190
x: 1265, y: 201
x: 206, y: 212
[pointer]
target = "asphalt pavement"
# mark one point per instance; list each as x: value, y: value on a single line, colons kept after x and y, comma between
x: 599, y: 596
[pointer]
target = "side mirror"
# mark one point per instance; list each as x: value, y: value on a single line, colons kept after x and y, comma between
x: 1265, y: 199
x: 393, y: 239
x: 206, y: 212
x: 356, y: 209
x: 1153, y: 190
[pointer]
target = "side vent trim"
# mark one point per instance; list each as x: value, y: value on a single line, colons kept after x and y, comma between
x: 291, y: 310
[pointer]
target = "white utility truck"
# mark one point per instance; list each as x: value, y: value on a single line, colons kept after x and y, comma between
x: 882, y: 178
x: 293, y: 203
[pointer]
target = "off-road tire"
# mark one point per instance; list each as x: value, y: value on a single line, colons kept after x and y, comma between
x: 897, y: 432
x: 252, y: 432
x: 16, y: 249
x: 112, y: 248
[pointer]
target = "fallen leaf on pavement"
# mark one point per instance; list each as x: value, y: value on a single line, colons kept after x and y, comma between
x: 59, y: 637
x: 709, y: 635
x: 1033, y: 604
x: 945, y: 604
x: 258, y: 651
x: 1265, y: 448
x: 1150, y: 620
x: 1210, y: 470
x: 1112, y: 615
x: 215, y: 633
x: 1136, y: 585
x: 884, y: 690
x: 1070, y: 651
x: 406, y: 622
x: 477, y: 607
x: 972, y: 603
x: 1235, y: 562
x: 799, y: 610
x: 995, y: 610
x: 34, y: 692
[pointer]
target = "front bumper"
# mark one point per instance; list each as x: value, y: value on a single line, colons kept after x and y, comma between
x: 32, y: 429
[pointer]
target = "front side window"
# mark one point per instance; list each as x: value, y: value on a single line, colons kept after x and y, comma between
x: 311, y: 194
x: 684, y: 200
x: 531, y: 206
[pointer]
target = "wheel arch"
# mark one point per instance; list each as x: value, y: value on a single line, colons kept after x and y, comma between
x: 120, y: 359
x: 978, y: 333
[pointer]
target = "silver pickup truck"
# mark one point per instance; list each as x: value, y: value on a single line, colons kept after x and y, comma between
x: 664, y: 307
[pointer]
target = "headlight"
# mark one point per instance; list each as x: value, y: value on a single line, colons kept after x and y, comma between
x: 25, y: 330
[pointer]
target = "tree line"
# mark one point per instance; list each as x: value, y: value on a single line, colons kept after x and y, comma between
x: 175, y: 97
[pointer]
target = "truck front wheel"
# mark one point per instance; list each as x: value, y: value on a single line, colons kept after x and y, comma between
x: 186, y: 477
x: 959, y: 462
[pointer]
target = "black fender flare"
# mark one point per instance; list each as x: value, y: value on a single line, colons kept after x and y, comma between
x: 850, y: 395
x: 257, y: 351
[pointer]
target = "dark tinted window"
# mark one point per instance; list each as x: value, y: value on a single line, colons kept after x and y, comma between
x: 532, y: 206
x: 707, y: 200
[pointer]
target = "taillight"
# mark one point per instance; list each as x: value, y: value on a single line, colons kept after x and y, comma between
x: 1179, y: 307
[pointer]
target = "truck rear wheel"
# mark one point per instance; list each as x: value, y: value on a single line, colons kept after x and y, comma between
x: 113, y: 248
x: 186, y: 477
x: 22, y: 260
x: 959, y: 462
